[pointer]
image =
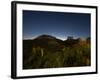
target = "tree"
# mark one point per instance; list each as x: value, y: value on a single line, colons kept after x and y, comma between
x: 70, y: 38
x: 88, y: 39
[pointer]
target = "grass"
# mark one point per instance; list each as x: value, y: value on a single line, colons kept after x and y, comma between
x: 76, y: 55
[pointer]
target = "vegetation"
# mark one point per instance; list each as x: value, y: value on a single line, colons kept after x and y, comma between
x: 48, y: 52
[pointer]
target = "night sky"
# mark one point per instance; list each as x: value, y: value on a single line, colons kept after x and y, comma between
x: 58, y: 24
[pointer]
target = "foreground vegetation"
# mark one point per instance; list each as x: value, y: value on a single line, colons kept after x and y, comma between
x: 70, y: 53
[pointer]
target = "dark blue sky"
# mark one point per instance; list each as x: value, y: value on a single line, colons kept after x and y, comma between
x: 58, y: 24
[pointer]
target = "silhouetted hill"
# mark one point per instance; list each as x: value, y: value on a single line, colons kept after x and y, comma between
x: 44, y: 36
x: 48, y: 42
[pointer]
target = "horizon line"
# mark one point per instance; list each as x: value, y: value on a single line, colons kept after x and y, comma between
x: 32, y: 38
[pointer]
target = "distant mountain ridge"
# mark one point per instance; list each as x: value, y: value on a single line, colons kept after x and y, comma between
x: 47, y: 41
x: 45, y: 36
x: 50, y: 42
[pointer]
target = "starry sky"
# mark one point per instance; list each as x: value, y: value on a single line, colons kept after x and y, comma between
x: 58, y: 24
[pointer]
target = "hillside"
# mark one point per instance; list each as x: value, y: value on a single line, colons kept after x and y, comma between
x: 46, y: 51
